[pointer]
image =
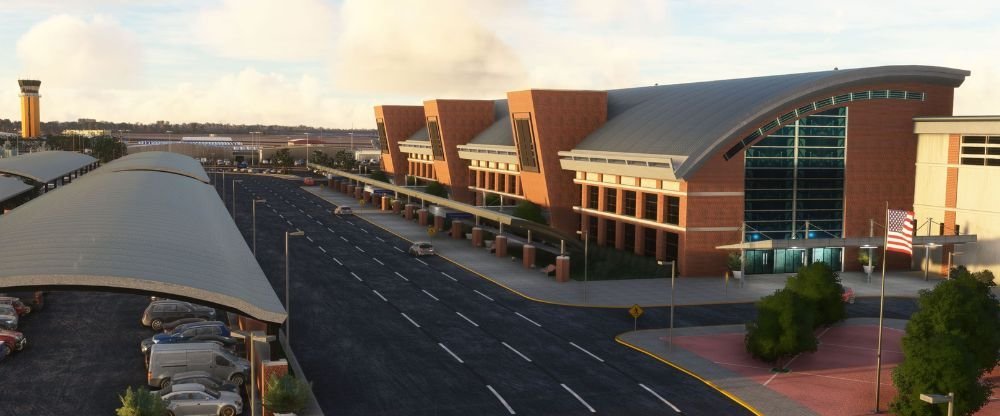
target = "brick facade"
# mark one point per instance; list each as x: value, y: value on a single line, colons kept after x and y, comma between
x: 460, y: 121
x: 400, y: 122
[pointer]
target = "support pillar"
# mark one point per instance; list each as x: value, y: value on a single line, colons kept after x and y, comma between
x: 349, y: 189
x: 408, y: 211
x: 439, y: 223
x: 422, y: 217
x: 367, y: 196
x: 500, y: 245
x: 562, y: 268
x: 396, y: 207
x: 386, y: 202
x: 477, y: 237
x: 529, y: 256
x: 457, y: 230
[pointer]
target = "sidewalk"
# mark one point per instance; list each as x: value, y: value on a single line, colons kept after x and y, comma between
x: 532, y: 284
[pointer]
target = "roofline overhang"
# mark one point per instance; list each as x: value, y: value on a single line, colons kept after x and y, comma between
x: 639, y: 165
x: 878, y: 241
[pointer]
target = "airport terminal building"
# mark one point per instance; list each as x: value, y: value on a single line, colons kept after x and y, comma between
x: 684, y: 172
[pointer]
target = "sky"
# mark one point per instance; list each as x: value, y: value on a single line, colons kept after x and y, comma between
x: 326, y: 63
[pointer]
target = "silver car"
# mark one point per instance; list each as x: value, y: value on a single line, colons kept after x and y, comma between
x: 422, y: 248
x: 196, y: 400
x: 8, y: 318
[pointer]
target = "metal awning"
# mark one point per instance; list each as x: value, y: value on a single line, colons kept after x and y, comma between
x: 879, y: 241
x: 45, y: 167
x: 167, y: 162
x: 11, y: 187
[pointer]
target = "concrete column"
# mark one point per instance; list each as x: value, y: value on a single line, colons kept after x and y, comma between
x: 500, y: 246
x: 457, y: 230
x: 529, y: 256
x: 386, y: 202
x: 438, y: 223
x: 562, y: 268
x: 396, y: 207
x: 477, y: 237
x: 408, y: 211
x: 422, y: 217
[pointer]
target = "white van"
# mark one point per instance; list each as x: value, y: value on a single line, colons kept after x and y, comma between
x: 165, y: 360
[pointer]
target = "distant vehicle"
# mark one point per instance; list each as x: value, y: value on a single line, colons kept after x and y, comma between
x: 204, y: 160
x: 308, y: 181
x: 186, y: 333
x: 15, y: 340
x: 17, y: 304
x: 236, y: 169
x: 422, y: 248
x: 342, y: 210
x: 205, y: 379
x: 218, y: 161
x: 242, y: 165
x: 162, y: 311
x: 8, y: 318
x: 194, y: 399
x: 300, y: 162
x: 165, y: 360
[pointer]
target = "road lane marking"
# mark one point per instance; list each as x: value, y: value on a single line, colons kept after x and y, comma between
x: 338, y: 261
x: 361, y: 250
x: 350, y: 223
x: 585, y: 351
x: 377, y: 260
x: 318, y: 222
x: 432, y: 296
x: 322, y: 249
x: 300, y: 210
x: 660, y: 397
x: 528, y: 319
x: 365, y: 231
x: 502, y: 401
x: 345, y: 240
x: 401, y: 276
x: 483, y: 295
x: 310, y: 239
x: 274, y: 210
x: 289, y: 223
x: 411, y: 321
x: 578, y: 398
x: 425, y: 264
x: 282, y: 216
x: 516, y: 351
x: 356, y: 277
x: 380, y: 295
x: 449, y: 276
x: 452, y: 354
x: 380, y: 239
x: 399, y: 249
x: 328, y: 229
x: 310, y: 216
x: 467, y: 319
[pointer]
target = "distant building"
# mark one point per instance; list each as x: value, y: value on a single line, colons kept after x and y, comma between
x: 85, y: 133
x: 30, y: 121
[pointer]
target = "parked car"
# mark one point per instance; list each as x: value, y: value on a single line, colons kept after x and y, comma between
x: 342, y: 210
x: 17, y: 304
x: 165, y: 360
x: 194, y: 399
x: 186, y: 333
x: 8, y: 318
x: 205, y: 379
x: 15, y: 340
x: 4, y: 350
x: 422, y: 248
x: 169, y: 326
x: 162, y: 311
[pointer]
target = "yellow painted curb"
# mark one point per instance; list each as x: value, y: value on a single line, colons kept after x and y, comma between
x: 708, y: 383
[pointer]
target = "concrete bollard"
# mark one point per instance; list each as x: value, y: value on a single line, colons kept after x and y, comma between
x: 367, y: 196
x: 477, y: 237
x: 500, y: 246
x: 438, y: 223
x: 422, y: 217
x: 349, y: 190
x: 386, y: 201
x: 562, y: 268
x: 358, y: 191
x: 408, y: 211
x: 529, y: 256
x: 396, y: 207
x: 457, y: 230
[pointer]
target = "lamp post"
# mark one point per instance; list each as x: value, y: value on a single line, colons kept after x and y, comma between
x: 950, y: 255
x: 235, y: 181
x: 673, y: 279
x: 170, y: 140
x: 941, y: 398
x: 255, y: 202
x: 253, y: 370
x: 307, y: 151
x: 586, y: 260
x: 223, y: 186
x: 288, y: 320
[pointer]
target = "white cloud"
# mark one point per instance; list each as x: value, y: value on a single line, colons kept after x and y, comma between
x: 431, y: 49
x: 296, y: 30
x: 66, y: 50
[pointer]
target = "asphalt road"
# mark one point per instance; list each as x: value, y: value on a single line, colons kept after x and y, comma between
x: 381, y: 333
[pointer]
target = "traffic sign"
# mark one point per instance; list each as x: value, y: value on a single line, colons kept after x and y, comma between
x: 635, y: 311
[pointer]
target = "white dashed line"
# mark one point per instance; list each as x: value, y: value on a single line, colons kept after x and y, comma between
x: 345, y: 240
x: 338, y: 261
x: 310, y: 239
x: 376, y: 260
x: 452, y: 354
x: 350, y: 223
x: 380, y: 239
x: 660, y: 397
x: 578, y: 398
x: 319, y: 222
x: 449, y: 276
x: 411, y: 321
x: 502, y: 401
x: 585, y: 351
x: 467, y: 319
x: 516, y: 351
x: 328, y: 229
x: 365, y: 231
x: 380, y: 295
x: 483, y: 295
x: 289, y: 222
x: 274, y: 210
x: 300, y: 210
x: 429, y: 294
x: 356, y: 277
x: 282, y: 216
x: 528, y: 319
x: 310, y: 216
x: 359, y: 249
x: 322, y: 249
x: 399, y: 249
x: 425, y: 264
x: 401, y: 276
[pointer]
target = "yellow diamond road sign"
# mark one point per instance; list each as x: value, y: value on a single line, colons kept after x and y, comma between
x: 635, y: 311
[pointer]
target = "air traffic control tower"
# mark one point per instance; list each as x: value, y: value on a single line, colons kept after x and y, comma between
x: 30, y: 121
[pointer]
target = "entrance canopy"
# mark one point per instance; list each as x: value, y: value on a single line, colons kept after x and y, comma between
x: 879, y: 241
x: 45, y: 167
x: 140, y: 231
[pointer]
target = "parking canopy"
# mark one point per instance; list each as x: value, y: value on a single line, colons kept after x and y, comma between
x: 141, y: 231
x: 11, y: 187
x: 45, y: 167
x: 159, y: 162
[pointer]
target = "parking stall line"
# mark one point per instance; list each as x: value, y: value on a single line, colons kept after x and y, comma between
x: 378, y: 261
x: 528, y: 319
x: 310, y: 216
x: 350, y: 223
x: 660, y: 397
x: 585, y: 351
x: 401, y: 276
x: 452, y: 354
x: 282, y: 216
x: 516, y: 351
x: 380, y: 239
x: 467, y: 319
x: 502, y: 401
x: 483, y: 295
x: 338, y: 261
x: 424, y: 263
x: 274, y: 210
x: 319, y: 222
x: 578, y: 398
x: 380, y: 295
x: 365, y: 231
x: 356, y: 277
x: 429, y: 294
x: 449, y: 276
x: 411, y: 320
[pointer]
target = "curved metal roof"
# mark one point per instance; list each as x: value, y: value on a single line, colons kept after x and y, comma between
x: 694, y: 121
x: 500, y: 133
x: 420, y: 135
x: 11, y: 187
x: 167, y: 162
x: 140, y: 231
x: 46, y: 166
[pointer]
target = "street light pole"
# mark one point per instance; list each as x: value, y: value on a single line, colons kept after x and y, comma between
x: 950, y: 255
x: 253, y: 371
x: 255, y: 202
x: 673, y: 286
x: 586, y: 262
x: 288, y: 320
x: 235, y: 181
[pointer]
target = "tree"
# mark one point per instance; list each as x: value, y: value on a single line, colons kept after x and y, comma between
x: 734, y: 262
x: 141, y: 403
x: 107, y: 149
x: 491, y: 200
x: 529, y: 211
x: 282, y: 158
x: 784, y: 327
x: 320, y: 158
x: 951, y: 342
x: 985, y: 276
x: 820, y: 287
x: 286, y: 394
x: 344, y: 160
x: 436, y: 189
x: 379, y: 176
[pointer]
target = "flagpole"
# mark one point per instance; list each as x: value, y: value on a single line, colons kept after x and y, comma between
x: 881, y: 313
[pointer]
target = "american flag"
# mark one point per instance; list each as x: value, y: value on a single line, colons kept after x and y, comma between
x: 899, y: 232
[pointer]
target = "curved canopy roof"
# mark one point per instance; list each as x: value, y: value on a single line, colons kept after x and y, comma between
x: 142, y: 230
x: 11, y: 187
x: 160, y: 162
x: 693, y: 121
x: 46, y: 166
x: 500, y: 133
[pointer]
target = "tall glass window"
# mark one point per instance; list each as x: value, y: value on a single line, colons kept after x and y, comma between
x: 650, y: 200
x: 611, y: 200
x: 383, y: 141
x: 593, y: 197
x: 629, y: 208
x: 796, y: 175
x: 434, y: 135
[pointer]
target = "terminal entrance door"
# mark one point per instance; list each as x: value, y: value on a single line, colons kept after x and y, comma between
x: 832, y: 256
x: 789, y: 260
x: 759, y: 262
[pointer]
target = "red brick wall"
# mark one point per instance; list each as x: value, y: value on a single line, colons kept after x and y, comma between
x: 401, y: 121
x: 270, y: 369
x: 460, y: 121
x: 559, y: 121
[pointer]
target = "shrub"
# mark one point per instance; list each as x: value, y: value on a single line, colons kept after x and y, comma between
x: 863, y: 257
x: 784, y: 327
x: 436, y: 189
x: 491, y: 200
x: 818, y: 285
x: 734, y: 262
x: 141, y: 402
x: 379, y: 176
x: 286, y: 394
x: 529, y: 211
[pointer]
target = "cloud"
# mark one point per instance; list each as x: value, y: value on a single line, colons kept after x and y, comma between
x: 287, y: 30
x: 409, y: 47
x: 65, y: 50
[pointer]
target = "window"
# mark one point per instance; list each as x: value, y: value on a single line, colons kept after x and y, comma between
x: 221, y: 361
x: 629, y: 208
x: 649, y: 242
x: 629, y: 233
x: 434, y: 134
x: 673, y: 214
x: 672, y: 241
x: 593, y: 197
x: 609, y: 233
x: 525, y: 144
x: 611, y: 200
x: 381, y: 135
x: 592, y: 227
x: 980, y: 150
x: 651, y: 203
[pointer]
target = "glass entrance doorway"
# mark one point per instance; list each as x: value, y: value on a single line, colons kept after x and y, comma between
x: 790, y: 260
